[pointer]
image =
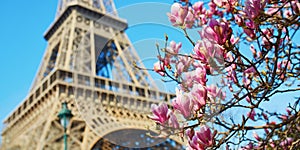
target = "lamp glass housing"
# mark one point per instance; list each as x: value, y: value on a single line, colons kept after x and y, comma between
x: 65, y: 115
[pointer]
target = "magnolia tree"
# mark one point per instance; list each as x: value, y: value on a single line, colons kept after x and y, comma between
x: 251, y: 47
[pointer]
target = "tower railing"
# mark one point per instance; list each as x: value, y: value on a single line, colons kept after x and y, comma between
x: 145, y: 96
x: 106, y: 7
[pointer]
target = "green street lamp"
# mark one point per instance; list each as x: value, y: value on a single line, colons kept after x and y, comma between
x: 65, y: 115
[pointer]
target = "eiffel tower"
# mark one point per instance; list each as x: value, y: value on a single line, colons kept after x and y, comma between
x: 88, y: 64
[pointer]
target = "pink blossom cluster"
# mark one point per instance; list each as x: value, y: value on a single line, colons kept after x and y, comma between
x: 219, y: 22
x: 283, y: 143
x: 201, y: 139
x: 181, y: 16
x: 192, y: 94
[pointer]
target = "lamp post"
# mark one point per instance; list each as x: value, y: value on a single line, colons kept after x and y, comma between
x: 65, y: 115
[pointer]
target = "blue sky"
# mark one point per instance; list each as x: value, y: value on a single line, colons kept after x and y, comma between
x: 22, y: 46
x: 22, y: 43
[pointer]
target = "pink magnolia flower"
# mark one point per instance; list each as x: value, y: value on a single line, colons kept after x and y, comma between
x: 248, y: 147
x: 250, y: 29
x: 216, y: 31
x: 234, y: 40
x: 288, y: 111
x: 206, y: 51
x: 273, y: 10
x: 195, y: 145
x: 251, y: 114
x: 174, y: 47
x: 271, y: 143
x: 181, y: 15
x: 266, y: 130
x: 253, y: 8
x: 204, y: 137
x: 183, y: 104
x: 196, y: 76
x: 180, y: 68
x: 231, y: 74
x: 255, y: 135
x: 190, y: 133
x: 265, y: 116
x: 250, y: 70
x: 178, y: 14
x: 173, y: 122
x: 238, y: 19
x: 214, y: 92
x: 283, y: 117
x: 160, y: 113
x: 199, y: 75
x: 268, y: 32
x: 212, y: 9
x: 267, y: 43
x: 202, y: 20
x: 182, y: 64
x: 259, y: 55
x: 288, y: 13
x: 165, y: 61
x: 219, y: 3
x: 248, y: 75
x: 163, y: 115
x: 246, y: 82
x: 200, y: 52
x: 159, y: 68
x: 253, y: 50
x: 296, y: 6
x: 200, y: 13
x: 199, y: 8
x: 287, y: 142
x: 279, y: 65
x: 287, y: 64
x: 227, y: 4
x: 248, y: 99
x: 189, y: 20
x: 199, y: 96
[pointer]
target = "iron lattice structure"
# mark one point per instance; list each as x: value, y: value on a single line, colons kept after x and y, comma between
x: 88, y: 64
